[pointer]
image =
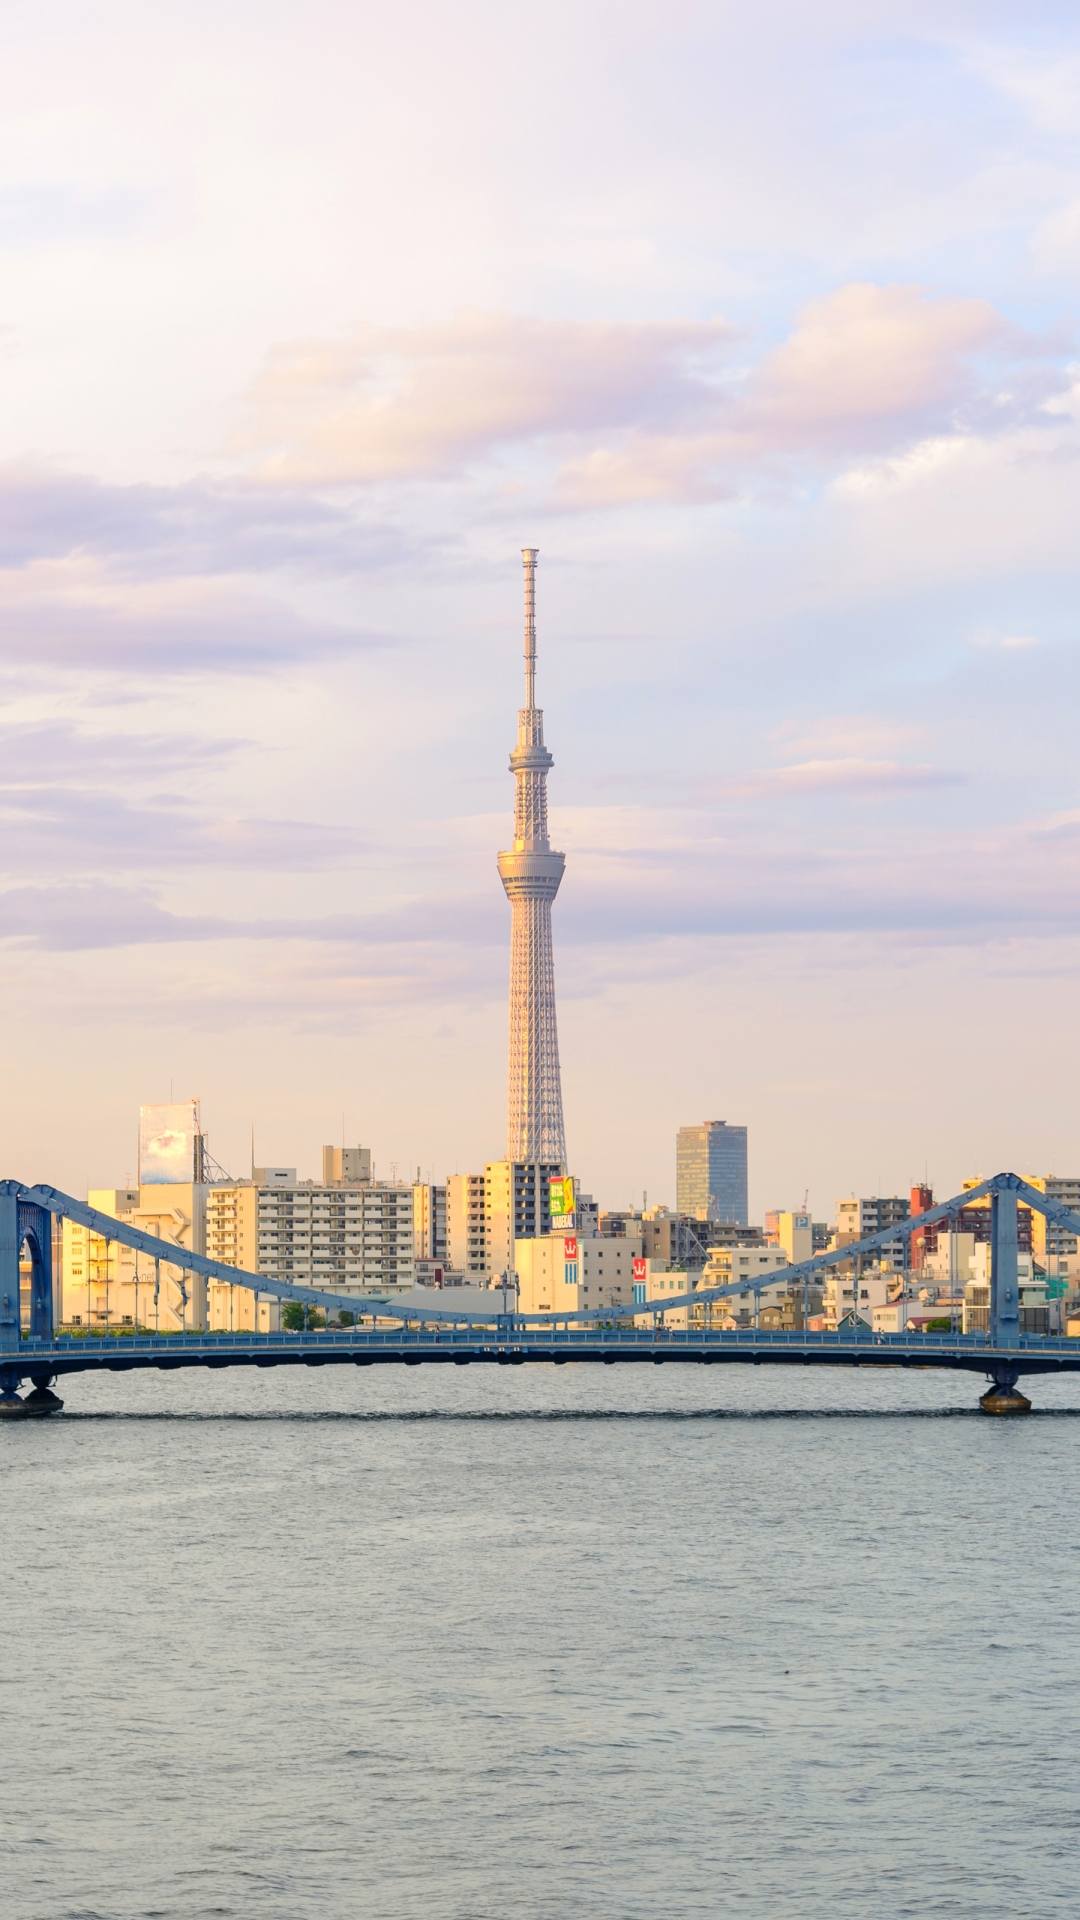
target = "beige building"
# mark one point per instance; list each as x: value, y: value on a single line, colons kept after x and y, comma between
x: 105, y: 1283
x: 838, y: 1294
x: 727, y: 1266
x: 346, y: 1166
x: 564, y: 1272
x: 429, y: 1222
x: 466, y: 1226
x: 793, y: 1233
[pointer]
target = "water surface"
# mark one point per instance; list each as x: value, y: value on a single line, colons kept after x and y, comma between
x: 538, y: 1644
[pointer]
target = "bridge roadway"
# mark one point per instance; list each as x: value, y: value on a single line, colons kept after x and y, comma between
x: 43, y: 1360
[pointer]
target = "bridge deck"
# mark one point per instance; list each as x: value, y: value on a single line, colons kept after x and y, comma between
x: 69, y: 1353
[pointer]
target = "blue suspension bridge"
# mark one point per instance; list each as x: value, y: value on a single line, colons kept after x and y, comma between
x: 35, y: 1352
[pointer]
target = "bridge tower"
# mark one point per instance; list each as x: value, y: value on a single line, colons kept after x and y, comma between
x: 1004, y: 1396
x: 23, y: 1224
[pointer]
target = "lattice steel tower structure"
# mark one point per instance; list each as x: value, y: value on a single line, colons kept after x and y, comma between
x: 531, y: 873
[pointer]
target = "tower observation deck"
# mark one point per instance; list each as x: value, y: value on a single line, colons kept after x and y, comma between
x: 531, y: 873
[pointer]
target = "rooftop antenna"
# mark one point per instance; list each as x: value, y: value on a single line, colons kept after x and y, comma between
x: 253, y: 1150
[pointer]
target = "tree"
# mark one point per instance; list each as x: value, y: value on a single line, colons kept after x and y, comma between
x: 297, y: 1317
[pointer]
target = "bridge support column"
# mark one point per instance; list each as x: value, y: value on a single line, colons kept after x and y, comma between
x: 42, y: 1399
x: 10, y: 1241
x: 1003, y: 1395
x: 10, y: 1403
x: 1004, y: 1271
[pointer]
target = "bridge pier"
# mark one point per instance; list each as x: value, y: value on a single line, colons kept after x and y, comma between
x: 1003, y: 1396
x: 41, y: 1398
x: 10, y: 1401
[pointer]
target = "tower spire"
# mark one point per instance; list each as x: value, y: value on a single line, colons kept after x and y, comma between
x: 528, y: 555
x: 531, y: 872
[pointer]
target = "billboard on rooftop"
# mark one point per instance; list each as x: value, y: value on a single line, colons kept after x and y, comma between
x: 168, y: 1149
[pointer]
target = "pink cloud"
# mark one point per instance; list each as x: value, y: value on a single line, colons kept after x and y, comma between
x: 395, y: 403
x: 852, y: 775
x: 618, y: 412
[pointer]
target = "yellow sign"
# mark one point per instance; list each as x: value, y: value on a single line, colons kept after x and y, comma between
x: 561, y: 1197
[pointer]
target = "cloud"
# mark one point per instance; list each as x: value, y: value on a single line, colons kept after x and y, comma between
x: 1007, y: 642
x: 424, y: 402
x: 629, y: 411
x: 74, y: 614
x: 851, y: 775
x: 197, y: 528
x: 58, y: 828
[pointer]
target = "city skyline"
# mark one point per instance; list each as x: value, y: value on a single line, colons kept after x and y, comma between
x: 784, y: 392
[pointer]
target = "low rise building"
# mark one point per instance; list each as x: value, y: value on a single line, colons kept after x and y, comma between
x: 913, y: 1313
x: 838, y: 1295
x: 727, y: 1266
x: 564, y: 1272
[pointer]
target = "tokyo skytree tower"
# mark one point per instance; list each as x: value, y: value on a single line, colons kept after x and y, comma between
x: 531, y: 873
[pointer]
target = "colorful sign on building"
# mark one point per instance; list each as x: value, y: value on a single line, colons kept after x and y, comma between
x: 561, y: 1193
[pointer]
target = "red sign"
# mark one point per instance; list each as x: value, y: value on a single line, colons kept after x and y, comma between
x: 569, y: 1247
x: 639, y: 1269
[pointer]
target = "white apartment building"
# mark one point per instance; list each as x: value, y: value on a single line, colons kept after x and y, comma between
x: 839, y: 1289
x: 348, y: 1238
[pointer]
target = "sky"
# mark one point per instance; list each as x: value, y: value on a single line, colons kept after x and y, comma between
x: 761, y: 324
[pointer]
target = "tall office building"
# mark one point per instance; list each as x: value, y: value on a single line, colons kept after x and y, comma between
x: 531, y: 873
x: 710, y: 1175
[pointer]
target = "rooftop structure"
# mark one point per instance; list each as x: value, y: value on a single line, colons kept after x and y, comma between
x: 531, y: 873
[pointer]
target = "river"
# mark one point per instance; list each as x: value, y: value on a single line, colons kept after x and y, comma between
x: 536, y: 1644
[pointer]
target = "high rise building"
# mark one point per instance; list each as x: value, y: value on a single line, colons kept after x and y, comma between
x: 516, y: 1207
x: 429, y: 1221
x: 466, y: 1226
x: 531, y: 873
x: 711, y: 1181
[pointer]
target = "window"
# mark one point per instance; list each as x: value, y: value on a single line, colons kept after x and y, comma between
x: 570, y: 1273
